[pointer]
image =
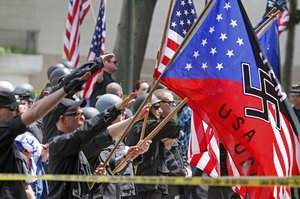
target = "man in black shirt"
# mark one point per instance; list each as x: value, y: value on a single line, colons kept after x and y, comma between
x: 12, y: 125
x: 110, y: 67
x: 65, y: 150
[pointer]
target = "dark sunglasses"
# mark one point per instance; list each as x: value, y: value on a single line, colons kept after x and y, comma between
x: 115, y: 62
x: 76, y: 114
x: 156, y: 107
x: 169, y: 102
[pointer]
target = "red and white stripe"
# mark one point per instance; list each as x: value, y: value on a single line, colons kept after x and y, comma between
x: 173, y: 40
x: 77, y: 10
x: 207, y: 159
x: 283, y: 20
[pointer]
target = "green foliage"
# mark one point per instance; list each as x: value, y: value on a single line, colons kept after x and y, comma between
x: 5, y: 50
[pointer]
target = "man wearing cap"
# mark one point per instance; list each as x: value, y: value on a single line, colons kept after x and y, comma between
x: 154, y: 159
x: 12, y: 125
x: 65, y: 150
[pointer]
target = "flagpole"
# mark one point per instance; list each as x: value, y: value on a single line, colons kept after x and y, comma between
x: 93, y: 13
x: 270, y: 18
x: 154, y: 86
x: 154, y: 132
x: 163, y: 39
x: 129, y: 125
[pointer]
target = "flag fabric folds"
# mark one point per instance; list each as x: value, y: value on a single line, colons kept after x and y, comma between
x: 203, y: 151
x: 96, y: 48
x: 283, y: 17
x: 77, y: 10
x: 182, y: 18
x: 223, y: 71
x: 268, y: 39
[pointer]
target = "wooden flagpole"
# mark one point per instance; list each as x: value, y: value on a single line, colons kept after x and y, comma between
x: 93, y: 13
x: 154, y: 132
x: 154, y: 86
x: 163, y: 39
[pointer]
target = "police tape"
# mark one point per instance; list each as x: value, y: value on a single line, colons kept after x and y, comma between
x: 253, y: 181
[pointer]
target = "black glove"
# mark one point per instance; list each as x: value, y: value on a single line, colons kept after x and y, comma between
x: 74, y: 86
x: 90, y: 66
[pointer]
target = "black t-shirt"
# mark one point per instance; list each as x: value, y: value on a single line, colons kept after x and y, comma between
x: 100, y: 88
x: 9, y: 130
x: 66, y: 156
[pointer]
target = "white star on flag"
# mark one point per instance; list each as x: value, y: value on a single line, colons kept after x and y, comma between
x: 213, y: 51
x: 204, y: 65
x: 204, y: 42
x: 219, y: 66
x: 219, y: 17
x: 196, y: 54
x: 223, y: 36
x: 211, y: 30
x: 233, y: 23
x: 229, y: 53
x: 240, y: 41
x: 227, y: 6
x: 188, y: 66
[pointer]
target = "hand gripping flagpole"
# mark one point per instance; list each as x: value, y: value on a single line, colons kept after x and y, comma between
x: 163, y: 39
x: 176, y: 53
x: 153, y: 133
x: 152, y: 90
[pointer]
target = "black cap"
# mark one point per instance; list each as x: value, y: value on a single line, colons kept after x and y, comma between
x: 8, y: 99
x: 72, y: 105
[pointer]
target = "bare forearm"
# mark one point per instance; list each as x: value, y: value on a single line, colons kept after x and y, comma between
x: 42, y: 107
x: 116, y: 130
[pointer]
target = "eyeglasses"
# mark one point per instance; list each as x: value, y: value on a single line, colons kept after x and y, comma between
x: 114, y: 62
x: 169, y: 102
x: 156, y: 107
x: 76, y: 114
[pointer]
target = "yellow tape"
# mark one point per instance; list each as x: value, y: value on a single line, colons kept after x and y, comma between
x: 170, y: 180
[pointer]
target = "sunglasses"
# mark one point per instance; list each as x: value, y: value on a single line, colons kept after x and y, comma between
x: 156, y: 107
x: 169, y: 102
x: 114, y: 62
x: 76, y: 114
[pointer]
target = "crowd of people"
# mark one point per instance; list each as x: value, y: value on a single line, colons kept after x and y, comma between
x: 58, y: 132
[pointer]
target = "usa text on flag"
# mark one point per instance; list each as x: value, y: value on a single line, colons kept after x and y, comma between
x: 96, y: 48
x: 223, y: 71
x: 181, y: 20
x: 76, y: 12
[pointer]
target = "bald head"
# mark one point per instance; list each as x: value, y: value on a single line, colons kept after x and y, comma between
x: 114, y: 88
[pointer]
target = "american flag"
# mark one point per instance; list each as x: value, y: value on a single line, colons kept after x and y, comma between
x: 77, y: 10
x: 96, y: 48
x: 283, y: 16
x: 182, y: 18
x: 224, y: 73
x: 203, y: 151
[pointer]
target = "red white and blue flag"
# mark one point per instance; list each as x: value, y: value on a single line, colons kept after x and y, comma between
x: 268, y: 39
x: 223, y: 71
x: 182, y: 18
x: 96, y: 48
x: 77, y: 10
x: 283, y: 16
